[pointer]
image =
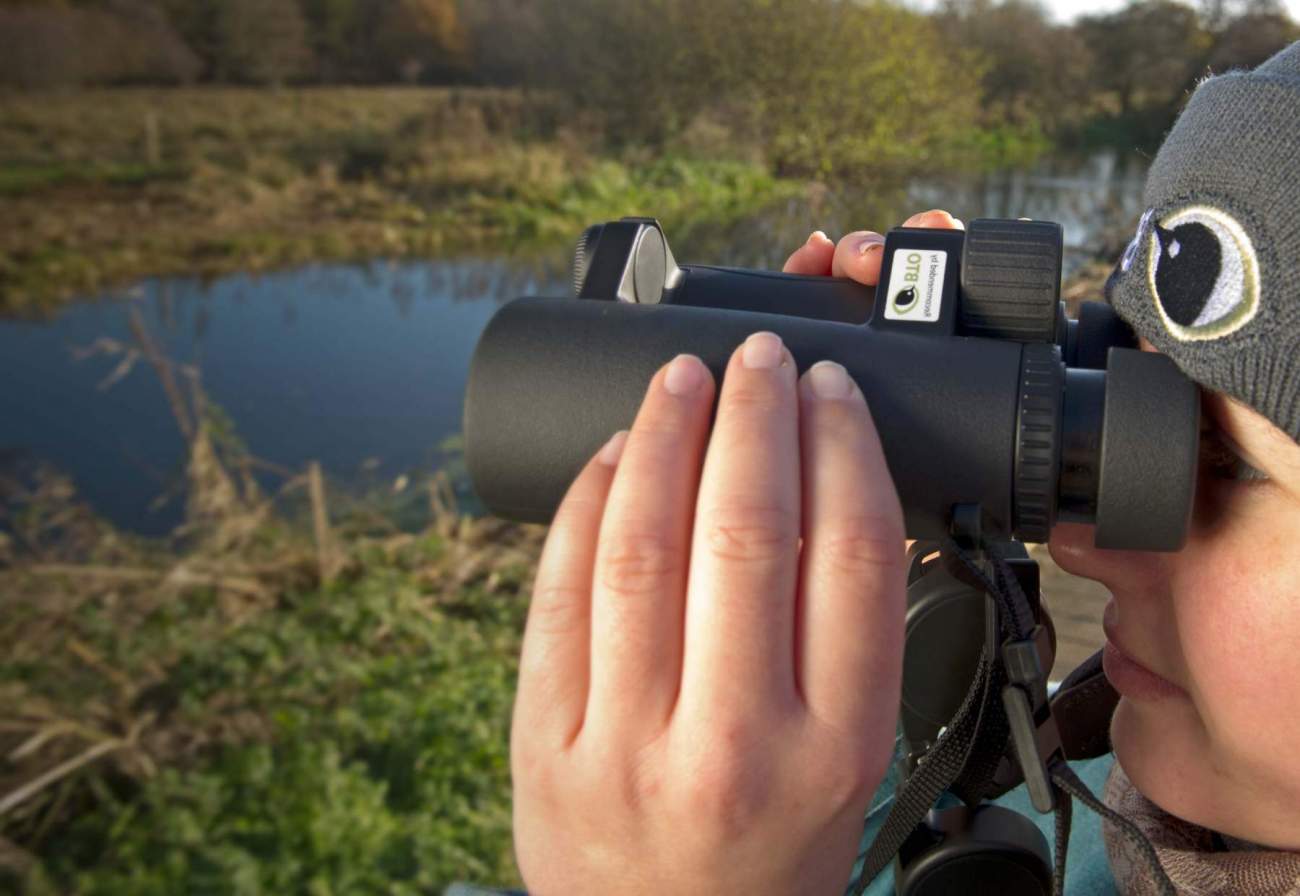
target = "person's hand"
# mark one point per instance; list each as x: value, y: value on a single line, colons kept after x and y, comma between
x: 709, y: 686
x: 857, y: 255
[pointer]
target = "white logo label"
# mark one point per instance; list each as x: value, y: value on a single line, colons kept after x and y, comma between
x: 916, y: 285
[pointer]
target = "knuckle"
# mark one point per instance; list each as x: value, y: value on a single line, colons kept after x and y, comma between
x: 724, y: 791
x: 528, y: 762
x: 534, y: 771
x: 655, y: 445
x: 660, y: 436
x: 643, y: 778
x: 575, y: 509
x: 755, y: 395
x: 610, y: 769
x: 751, y: 533
x: 558, y: 608
x: 838, y: 421
x: 862, y: 544
x: 638, y: 563
x: 849, y: 785
x: 852, y: 769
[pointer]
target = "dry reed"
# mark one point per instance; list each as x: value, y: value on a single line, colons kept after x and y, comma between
x: 104, y: 716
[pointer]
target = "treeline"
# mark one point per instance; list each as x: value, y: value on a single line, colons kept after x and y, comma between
x: 847, y: 86
x: 50, y: 43
x: 816, y: 83
x: 1127, y: 72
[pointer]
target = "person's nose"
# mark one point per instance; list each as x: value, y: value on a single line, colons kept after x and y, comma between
x: 1071, y: 546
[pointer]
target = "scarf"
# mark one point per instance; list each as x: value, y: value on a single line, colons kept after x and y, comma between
x: 1200, y: 862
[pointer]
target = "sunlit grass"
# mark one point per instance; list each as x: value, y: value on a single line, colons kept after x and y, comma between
x: 304, y: 688
x: 100, y: 187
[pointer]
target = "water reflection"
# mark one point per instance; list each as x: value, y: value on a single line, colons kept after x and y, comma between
x: 363, y: 367
x: 354, y: 366
x: 1097, y: 199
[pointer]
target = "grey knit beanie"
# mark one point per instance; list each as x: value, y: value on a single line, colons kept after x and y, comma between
x: 1212, y: 278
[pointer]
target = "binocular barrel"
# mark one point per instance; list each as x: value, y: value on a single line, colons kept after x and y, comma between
x: 962, y: 419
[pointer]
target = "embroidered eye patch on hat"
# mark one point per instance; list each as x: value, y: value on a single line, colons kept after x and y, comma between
x: 1201, y: 271
x: 1212, y: 277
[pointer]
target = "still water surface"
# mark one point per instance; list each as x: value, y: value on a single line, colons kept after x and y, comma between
x: 363, y: 367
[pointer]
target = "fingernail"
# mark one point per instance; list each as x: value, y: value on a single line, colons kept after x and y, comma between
x: 613, y: 449
x: 830, y: 380
x: 685, y: 374
x: 818, y: 236
x: 919, y: 219
x: 762, y: 351
x: 869, y: 242
x: 961, y: 225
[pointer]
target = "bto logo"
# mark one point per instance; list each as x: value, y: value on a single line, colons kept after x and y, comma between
x: 916, y: 285
x: 905, y: 300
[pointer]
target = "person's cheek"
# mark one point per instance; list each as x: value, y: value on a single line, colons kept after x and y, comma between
x: 1238, y: 613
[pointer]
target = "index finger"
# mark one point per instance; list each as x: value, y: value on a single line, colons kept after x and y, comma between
x: 859, y: 255
x: 813, y: 258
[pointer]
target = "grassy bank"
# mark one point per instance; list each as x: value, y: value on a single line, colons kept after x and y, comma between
x: 100, y: 187
x: 189, y: 723
x: 300, y: 690
x: 291, y: 694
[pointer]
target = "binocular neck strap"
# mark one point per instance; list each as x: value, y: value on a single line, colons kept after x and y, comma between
x: 1064, y: 778
x: 967, y: 753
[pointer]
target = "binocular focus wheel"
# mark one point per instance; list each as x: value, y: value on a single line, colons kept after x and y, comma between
x: 1038, y: 441
x: 582, y: 255
x: 1010, y: 278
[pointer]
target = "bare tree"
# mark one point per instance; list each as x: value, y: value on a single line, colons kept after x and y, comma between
x: 1033, y: 71
x: 1250, y: 39
x: 121, y: 41
x: 1146, y: 55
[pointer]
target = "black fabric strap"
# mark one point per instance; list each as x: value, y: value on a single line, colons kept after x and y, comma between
x: 964, y: 757
x: 1013, y: 606
x: 931, y: 777
x: 1083, y: 705
x: 976, y: 737
x: 1065, y: 778
x: 1064, y: 815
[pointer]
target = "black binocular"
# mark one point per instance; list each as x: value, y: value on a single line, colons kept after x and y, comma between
x: 983, y: 391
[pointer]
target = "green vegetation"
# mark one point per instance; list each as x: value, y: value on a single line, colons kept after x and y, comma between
x: 347, y: 737
x: 666, y: 60
x: 299, y: 691
x: 694, y: 112
x: 100, y: 187
x: 302, y: 693
x: 290, y: 694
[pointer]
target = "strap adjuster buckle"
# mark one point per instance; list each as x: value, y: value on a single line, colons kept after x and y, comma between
x: 1034, y: 735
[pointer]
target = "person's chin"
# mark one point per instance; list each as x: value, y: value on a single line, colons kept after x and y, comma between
x: 1158, y: 746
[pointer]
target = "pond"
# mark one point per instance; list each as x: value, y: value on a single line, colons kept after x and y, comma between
x: 363, y: 367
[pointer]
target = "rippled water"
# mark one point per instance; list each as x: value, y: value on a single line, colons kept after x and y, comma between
x: 363, y: 367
